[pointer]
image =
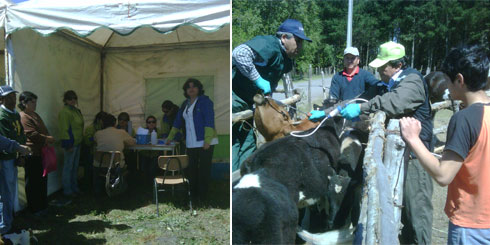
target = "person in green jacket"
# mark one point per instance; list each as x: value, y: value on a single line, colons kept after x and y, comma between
x: 70, y: 123
x: 258, y: 64
x: 10, y: 127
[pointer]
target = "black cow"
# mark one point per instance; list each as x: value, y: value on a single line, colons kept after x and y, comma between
x: 437, y: 82
x: 263, y: 212
x: 307, y: 167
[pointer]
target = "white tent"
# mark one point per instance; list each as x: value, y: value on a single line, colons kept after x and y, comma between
x: 120, y: 55
x: 3, y: 8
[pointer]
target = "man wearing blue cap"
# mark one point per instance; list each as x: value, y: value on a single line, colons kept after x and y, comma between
x: 258, y: 64
x: 10, y: 127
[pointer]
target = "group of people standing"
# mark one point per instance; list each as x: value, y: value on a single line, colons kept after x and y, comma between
x: 402, y: 92
x: 27, y: 128
x: 24, y: 134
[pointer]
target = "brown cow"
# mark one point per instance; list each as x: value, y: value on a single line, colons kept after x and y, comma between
x: 273, y: 122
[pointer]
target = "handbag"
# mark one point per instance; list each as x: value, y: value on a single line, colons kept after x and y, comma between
x: 49, y: 159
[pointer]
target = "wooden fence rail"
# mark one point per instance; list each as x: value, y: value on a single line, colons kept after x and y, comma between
x: 382, y: 197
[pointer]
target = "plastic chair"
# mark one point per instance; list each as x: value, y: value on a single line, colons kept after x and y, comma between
x: 174, y: 175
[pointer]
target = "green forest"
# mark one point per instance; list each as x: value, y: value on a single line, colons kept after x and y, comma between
x: 427, y: 29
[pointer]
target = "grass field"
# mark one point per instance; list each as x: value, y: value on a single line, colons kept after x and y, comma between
x: 131, y: 219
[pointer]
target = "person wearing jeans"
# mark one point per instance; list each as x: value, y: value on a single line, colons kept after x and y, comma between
x: 70, y: 122
x: 10, y: 127
x: 9, y: 146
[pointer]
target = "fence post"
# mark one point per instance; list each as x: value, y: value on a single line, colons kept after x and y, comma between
x: 368, y: 226
x: 323, y: 86
x: 285, y: 84
x: 394, y: 162
x: 309, y: 88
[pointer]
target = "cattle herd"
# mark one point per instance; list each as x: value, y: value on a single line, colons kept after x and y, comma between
x: 289, y: 174
x: 289, y: 177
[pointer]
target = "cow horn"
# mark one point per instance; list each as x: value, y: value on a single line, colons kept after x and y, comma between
x: 340, y: 236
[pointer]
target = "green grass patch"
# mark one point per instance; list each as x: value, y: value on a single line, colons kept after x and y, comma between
x: 131, y: 218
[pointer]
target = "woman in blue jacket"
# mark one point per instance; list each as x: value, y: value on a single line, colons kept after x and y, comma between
x: 196, y: 115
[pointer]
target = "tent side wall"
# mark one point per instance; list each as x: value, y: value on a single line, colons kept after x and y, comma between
x: 49, y: 66
x: 126, y: 77
x: 2, y: 68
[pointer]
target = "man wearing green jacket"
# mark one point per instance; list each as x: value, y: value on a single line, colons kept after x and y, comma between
x: 258, y: 64
x: 406, y: 94
x: 10, y: 127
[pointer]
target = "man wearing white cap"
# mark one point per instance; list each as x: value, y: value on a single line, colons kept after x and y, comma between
x: 258, y: 65
x: 406, y: 94
x: 352, y: 81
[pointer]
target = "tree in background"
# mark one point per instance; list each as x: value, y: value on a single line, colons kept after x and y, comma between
x: 427, y: 29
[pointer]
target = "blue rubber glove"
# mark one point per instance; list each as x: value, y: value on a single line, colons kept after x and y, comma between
x: 316, y: 115
x: 351, y: 111
x: 264, y: 85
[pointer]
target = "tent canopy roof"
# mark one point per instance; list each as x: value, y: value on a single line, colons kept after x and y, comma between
x: 107, y: 23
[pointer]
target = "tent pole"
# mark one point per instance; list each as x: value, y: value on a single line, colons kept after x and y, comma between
x: 102, y: 58
x: 5, y: 56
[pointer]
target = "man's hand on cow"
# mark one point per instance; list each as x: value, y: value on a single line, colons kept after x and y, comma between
x: 351, y: 111
x: 264, y: 85
x: 410, y: 128
x: 316, y: 115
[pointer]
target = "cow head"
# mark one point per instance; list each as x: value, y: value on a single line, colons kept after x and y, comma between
x: 271, y: 120
x: 274, y: 122
x: 437, y: 82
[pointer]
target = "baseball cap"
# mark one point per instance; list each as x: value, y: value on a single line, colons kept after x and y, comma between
x: 351, y: 50
x: 294, y: 27
x: 388, y: 51
x: 5, y: 90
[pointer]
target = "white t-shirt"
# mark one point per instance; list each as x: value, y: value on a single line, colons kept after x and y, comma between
x: 191, y: 138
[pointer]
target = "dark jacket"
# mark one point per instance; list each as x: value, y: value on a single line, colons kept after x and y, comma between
x: 11, y: 127
x: 408, y: 96
x: 8, y: 145
x: 363, y: 84
x: 275, y: 63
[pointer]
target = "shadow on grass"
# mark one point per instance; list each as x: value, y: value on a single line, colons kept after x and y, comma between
x: 88, y: 219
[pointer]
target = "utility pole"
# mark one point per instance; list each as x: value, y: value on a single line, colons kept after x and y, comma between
x: 349, y: 23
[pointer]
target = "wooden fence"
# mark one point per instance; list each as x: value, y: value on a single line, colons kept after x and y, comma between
x: 382, y: 195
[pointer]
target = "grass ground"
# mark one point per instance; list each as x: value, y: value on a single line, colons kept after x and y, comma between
x: 131, y: 218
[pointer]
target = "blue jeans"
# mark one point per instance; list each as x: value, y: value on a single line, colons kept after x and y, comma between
x: 70, y: 170
x: 8, y: 187
x: 462, y: 235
